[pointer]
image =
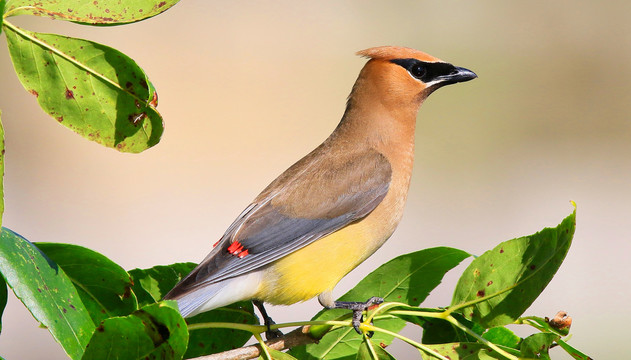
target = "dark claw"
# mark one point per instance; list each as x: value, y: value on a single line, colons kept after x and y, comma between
x: 269, y: 334
x: 358, y: 309
x: 272, y: 334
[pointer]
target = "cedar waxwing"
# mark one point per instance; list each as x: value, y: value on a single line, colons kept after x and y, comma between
x: 332, y: 209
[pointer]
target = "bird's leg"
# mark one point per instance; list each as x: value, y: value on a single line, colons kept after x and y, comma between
x: 269, y: 334
x: 357, y: 307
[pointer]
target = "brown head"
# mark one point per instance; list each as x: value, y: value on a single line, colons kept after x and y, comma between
x: 402, y: 77
x: 390, y: 89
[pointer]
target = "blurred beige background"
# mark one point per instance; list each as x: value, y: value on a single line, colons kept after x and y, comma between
x: 247, y: 88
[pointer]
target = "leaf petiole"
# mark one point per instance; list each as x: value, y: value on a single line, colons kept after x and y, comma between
x: 368, y: 327
x: 264, y: 349
x: 371, y: 349
x: 257, y: 329
x: 484, y: 341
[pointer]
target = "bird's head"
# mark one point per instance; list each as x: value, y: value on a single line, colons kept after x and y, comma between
x: 401, y: 76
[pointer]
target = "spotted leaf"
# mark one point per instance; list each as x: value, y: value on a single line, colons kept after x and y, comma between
x: 93, y: 12
x: 46, y: 292
x: 94, y: 90
x: 502, y: 283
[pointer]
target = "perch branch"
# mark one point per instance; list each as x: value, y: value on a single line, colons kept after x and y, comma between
x: 298, y: 337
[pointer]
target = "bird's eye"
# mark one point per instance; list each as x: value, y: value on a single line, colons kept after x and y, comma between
x: 418, y: 70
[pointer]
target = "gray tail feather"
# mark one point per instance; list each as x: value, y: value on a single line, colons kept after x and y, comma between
x: 190, y: 303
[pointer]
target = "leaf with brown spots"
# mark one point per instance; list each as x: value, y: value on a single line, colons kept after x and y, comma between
x: 91, y: 12
x: 536, y: 346
x: 104, y: 286
x: 371, y: 350
x: 98, y: 92
x: 46, y: 292
x: 500, y: 285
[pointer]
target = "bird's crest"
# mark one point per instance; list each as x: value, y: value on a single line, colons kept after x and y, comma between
x: 396, y: 52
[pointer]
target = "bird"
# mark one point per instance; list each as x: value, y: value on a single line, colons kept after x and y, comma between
x: 332, y: 209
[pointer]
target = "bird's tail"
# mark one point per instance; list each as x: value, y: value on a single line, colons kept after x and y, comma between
x: 205, y: 297
x: 199, y: 300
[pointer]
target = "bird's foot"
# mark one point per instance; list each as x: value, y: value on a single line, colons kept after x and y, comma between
x: 269, y: 334
x: 358, y: 309
x: 272, y: 333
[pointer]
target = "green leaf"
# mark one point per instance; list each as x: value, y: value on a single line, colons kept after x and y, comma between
x: 211, y: 341
x: 150, y: 285
x: 156, y: 331
x: 46, y: 292
x: 502, y: 336
x: 438, y: 331
x: 500, y: 285
x: 278, y: 355
x: 408, y: 279
x: 2, y: 5
x: 465, y: 351
x: 1, y: 166
x: 537, y: 345
x: 104, y: 287
x: 3, y: 299
x: 94, y: 90
x: 102, y: 12
x: 369, y: 350
x: 572, y: 351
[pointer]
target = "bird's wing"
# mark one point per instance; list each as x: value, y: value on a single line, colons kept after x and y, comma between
x: 310, y: 200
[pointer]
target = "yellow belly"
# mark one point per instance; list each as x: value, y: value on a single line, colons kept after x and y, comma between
x: 319, y: 266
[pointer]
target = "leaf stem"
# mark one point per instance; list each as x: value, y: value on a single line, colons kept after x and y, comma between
x: 9, y: 13
x: 463, y: 305
x: 532, y: 321
x: 417, y: 345
x: 383, y: 308
x: 257, y: 329
x: 264, y: 349
x: 371, y: 349
x: 484, y: 341
x: 435, y: 315
x: 254, y: 329
x: 446, y: 316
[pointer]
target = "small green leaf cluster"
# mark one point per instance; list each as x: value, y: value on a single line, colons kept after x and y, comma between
x: 92, y: 306
x: 494, y: 291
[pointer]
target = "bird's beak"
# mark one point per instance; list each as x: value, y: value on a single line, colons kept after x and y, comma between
x: 458, y: 74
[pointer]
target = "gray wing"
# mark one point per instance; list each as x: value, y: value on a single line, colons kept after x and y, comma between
x: 301, y: 206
